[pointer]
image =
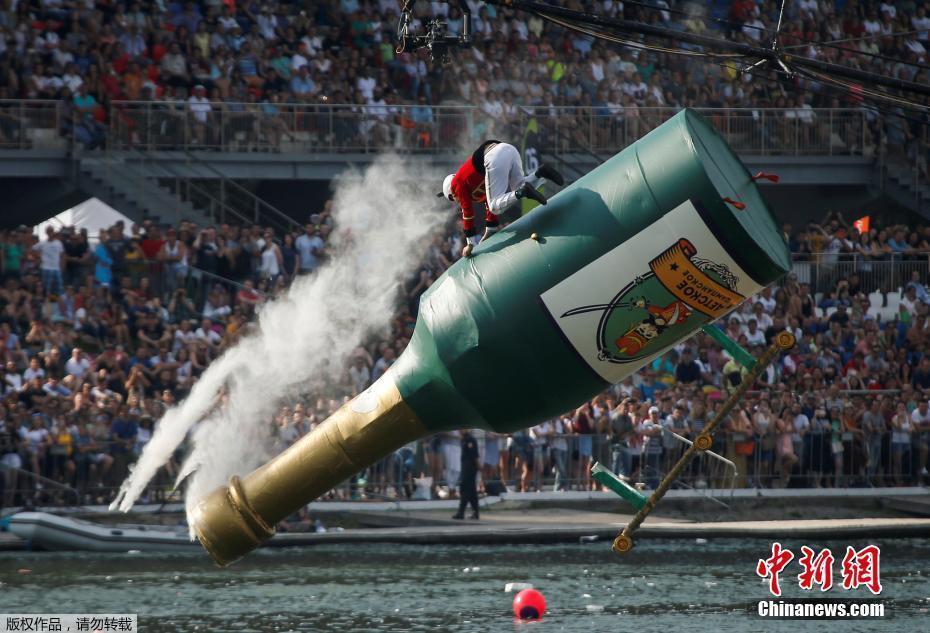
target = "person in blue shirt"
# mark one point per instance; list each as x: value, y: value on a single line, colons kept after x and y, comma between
x: 103, y: 272
x: 301, y: 83
x: 123, y: 433
x: 649, y: 387
x: 918, y: 287
x: 898, y: 243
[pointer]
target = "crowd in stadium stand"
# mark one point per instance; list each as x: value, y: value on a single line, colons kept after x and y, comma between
x: 100, y: 334
x: 248, y: 60
x: 99, y: 337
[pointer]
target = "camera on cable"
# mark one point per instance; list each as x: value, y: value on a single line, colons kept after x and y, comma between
x: 437, y: 38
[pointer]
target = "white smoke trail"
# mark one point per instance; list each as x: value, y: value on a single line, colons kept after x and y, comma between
x: 303, y: 338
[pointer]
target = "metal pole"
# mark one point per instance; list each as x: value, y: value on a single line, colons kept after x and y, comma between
x: 624, y: 542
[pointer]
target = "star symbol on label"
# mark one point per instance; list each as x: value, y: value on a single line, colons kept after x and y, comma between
x: 674, y: 266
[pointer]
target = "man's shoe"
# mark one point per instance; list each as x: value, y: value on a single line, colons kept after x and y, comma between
x: 459, y: 517
x: 549, y: 173
x: 473, y: 515
x: 466, y: 251
x: 527, y: 191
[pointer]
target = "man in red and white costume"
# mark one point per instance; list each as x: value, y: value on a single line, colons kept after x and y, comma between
x: 493, y: 175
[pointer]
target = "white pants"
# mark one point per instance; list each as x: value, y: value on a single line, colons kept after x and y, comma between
x: 503, y: 175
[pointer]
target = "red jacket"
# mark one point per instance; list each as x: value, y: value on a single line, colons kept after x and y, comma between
x: 468, y: 188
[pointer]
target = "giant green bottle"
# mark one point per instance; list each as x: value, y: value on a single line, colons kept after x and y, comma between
x: 669, y: 234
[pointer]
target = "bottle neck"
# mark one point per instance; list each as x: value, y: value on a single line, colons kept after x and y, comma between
x: 233, y: 520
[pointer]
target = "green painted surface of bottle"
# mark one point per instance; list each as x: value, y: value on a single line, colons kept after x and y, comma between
x: 629, y: 260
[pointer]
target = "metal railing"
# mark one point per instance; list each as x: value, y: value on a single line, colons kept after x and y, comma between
x: 245, y: 202
x: 822, y: 270
x: 185, y: 188
x: 817, y: 459
x: 35, y: 124
x: 301, y: 127
x: 367, y: 128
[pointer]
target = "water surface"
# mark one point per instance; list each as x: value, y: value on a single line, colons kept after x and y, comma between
x: 660, y: 586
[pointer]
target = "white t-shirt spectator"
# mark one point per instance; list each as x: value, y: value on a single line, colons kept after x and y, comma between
x: 267, y: 24
x: 755, y: 29
x: 182, y: 339
x: 755, y: 338
x: 14, y: 382
x: 909, y: 305
x: 768, y: 305
x: 200, y: 106
x: 36, y: 438
x: 314, y: 44
x: 920, y: 420
x: 808, y: 7
x: 31, y: 373
x: 381, y: 366
x: 298, y: 61
x: 388, y: 5
x: 211, y: 336
x: 520, y: 29
x: 77, y: 368
x: 922, y: 25
x: 72, y: 81
x: 50, y: 252
x: 366, y: 85
x: 360, y: 377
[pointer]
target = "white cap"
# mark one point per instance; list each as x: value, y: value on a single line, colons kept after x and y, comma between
x: 447, y: 186
x: 653, y: 409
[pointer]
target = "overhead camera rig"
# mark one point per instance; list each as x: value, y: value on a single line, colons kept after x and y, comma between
x: 437, y: 39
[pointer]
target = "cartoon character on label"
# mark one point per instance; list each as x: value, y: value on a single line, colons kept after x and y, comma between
x: 659, y: 319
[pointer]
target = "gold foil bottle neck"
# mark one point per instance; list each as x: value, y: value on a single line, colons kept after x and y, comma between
x: 233, y: 520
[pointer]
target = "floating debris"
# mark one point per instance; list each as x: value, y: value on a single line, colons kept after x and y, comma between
x: 134, y: 551
x: 700, y: 541
x: 588, y: 539
x: 594, y: 608
x: 510, y: 587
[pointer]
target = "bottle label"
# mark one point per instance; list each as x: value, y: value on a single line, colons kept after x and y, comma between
x: 641, y: 298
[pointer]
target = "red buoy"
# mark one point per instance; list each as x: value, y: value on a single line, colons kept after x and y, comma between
x: 529, y: 604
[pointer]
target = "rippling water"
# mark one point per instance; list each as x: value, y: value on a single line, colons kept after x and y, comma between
x: 660, y: 585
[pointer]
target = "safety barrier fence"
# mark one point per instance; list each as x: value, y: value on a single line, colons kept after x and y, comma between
x: 308, y: 127
x: 887, y: 273
x: 821, y: 458
x: 367, y: 128
x: 35, y: 124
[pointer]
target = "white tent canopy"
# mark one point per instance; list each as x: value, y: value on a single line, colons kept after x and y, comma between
x: 92, y: 214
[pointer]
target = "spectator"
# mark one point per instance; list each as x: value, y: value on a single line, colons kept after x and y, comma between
x: 52, y: 253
